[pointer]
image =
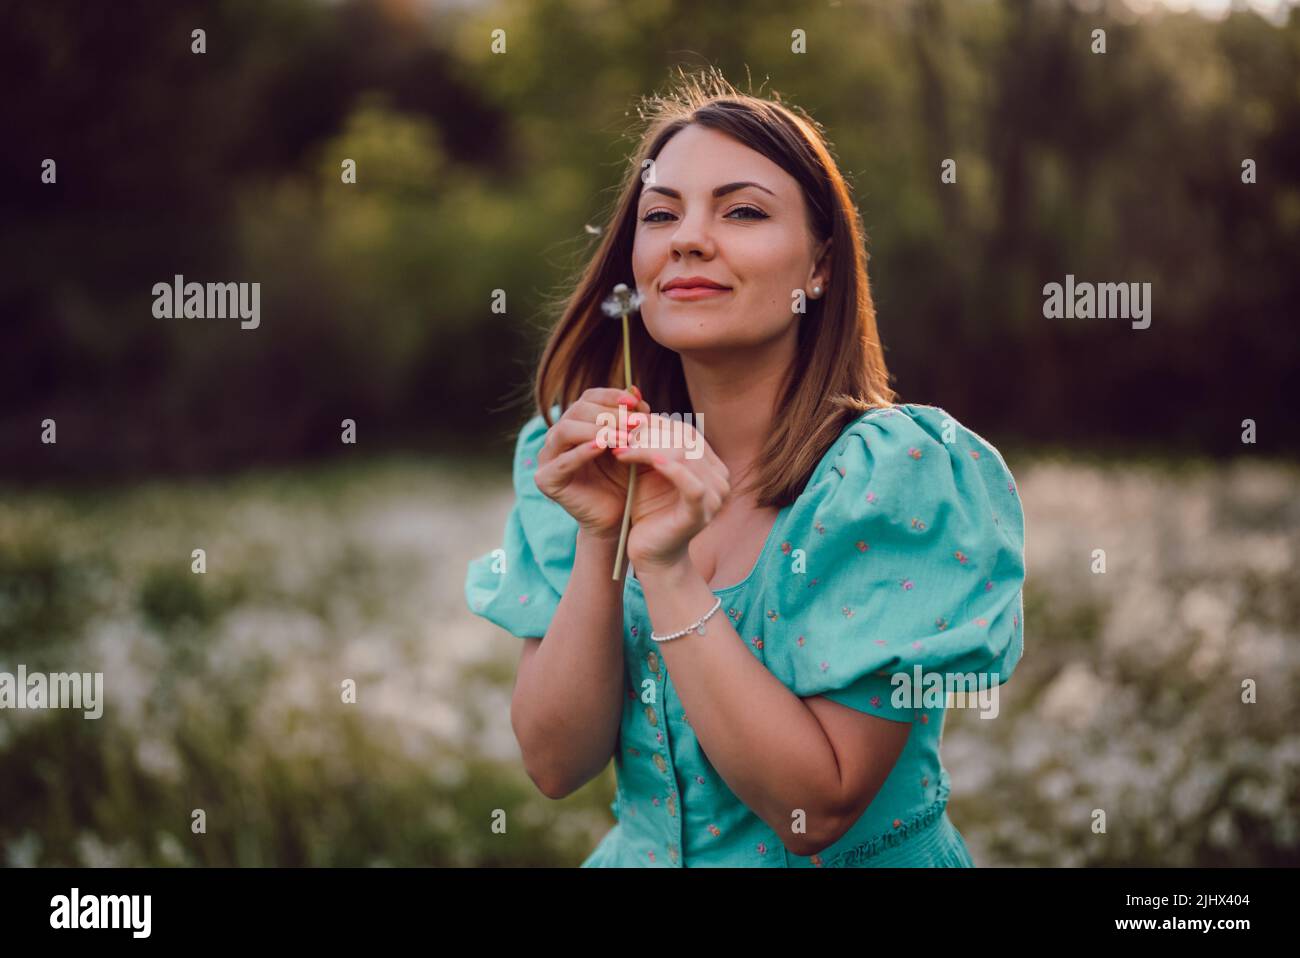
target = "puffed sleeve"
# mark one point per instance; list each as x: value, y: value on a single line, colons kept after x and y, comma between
x: 519, y: 585
x: 913, y: 539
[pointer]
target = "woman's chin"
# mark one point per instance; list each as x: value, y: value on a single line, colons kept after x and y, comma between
x: 696, y: 339
x: 703, y: 334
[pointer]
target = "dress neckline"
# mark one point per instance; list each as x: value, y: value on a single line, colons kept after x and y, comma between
x: 762, y: 555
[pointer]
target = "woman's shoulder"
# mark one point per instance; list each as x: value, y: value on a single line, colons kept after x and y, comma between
x: 905, y: 462
x: 913, y: 531
x: 921, y: 433
x: 518, y: 585
x: 528, y: 443
x: 918, y: 425
x: 533, y: 433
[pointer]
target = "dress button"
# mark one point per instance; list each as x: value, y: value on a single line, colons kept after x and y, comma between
x: 672, y: 804
x: 650, y: 715
x: 660, y: 763
x: 672, y: 853
x: 652, y: 660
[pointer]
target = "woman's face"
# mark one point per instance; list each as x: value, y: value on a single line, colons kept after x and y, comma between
x: 754, y: 240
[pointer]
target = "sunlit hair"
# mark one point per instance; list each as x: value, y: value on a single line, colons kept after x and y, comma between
x: 839, y: 368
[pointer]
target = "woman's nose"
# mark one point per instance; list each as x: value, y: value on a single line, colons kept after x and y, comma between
x: 692, y: 235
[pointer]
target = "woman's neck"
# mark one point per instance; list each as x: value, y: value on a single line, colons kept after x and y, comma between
x: 735, y: 402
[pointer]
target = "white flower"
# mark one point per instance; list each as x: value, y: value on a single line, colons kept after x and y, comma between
x: 1073, y: 697
x: 622, y: 302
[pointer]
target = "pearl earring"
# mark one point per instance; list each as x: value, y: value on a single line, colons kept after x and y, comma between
x: 817, y: 290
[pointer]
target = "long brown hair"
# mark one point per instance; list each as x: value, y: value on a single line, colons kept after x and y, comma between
x: 839, y: 368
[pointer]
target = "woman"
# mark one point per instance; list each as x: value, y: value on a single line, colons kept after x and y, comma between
x: 840, y: 539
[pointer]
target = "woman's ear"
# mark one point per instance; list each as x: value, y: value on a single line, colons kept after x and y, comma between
x: 822, y: 270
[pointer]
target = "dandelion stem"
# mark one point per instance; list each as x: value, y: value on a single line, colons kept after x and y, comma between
x: 631, y: 479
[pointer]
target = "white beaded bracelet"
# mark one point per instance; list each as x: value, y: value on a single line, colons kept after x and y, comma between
x: 697, y: 627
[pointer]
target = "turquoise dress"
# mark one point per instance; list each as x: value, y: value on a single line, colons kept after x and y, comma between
x: 905, y: 548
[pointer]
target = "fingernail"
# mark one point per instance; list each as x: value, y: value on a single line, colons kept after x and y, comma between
x: 637, y: 390
x: 626, y: 400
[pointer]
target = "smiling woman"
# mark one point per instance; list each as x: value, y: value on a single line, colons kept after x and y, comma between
x: 820, y: 538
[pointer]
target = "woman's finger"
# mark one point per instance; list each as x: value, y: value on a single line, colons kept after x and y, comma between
x: 672, y: 434
x: 607, y: 420
x: 588, y: 411
x: 695, y: 494
x: 608, y: 396
x: 563, y: 466
x: 563, y: 436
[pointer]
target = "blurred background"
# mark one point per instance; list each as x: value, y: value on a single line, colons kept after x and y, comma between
x: 479, y: 171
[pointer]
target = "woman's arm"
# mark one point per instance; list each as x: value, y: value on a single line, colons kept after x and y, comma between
x: 779, y: 753
x: 568, y: 697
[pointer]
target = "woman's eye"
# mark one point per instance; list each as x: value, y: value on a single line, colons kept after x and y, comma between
x: 755, y: 214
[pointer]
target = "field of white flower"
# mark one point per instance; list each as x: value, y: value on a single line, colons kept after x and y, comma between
x: 1129, y: 697
x: 223, y: 690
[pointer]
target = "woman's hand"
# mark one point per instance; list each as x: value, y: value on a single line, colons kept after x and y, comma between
x: 677, y: 496
x: 572, y: 469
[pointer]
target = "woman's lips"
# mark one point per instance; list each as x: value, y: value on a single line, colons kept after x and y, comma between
x: 689, y: 294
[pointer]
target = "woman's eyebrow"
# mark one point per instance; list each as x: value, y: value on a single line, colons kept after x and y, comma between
x: 717, y: 190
